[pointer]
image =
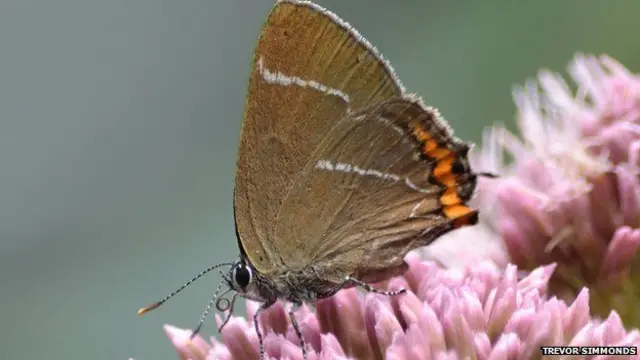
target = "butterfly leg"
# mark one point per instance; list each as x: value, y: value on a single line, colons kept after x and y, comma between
x: 262, y: 308
x: 348, y: 280
x: 370, y: 288
x: 296, y: 327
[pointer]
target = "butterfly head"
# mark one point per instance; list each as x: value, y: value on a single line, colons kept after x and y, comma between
x: 247, y: 282
x: 240, y: 277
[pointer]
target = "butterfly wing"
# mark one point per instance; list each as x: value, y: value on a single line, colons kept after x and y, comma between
x: 382, y: 183
x: 310, y: 70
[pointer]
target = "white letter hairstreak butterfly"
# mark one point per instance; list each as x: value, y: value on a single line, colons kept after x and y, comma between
x: 340, y: 172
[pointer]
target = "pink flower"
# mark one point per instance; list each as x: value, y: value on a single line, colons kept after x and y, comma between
x: 478, y: 312
x: 572, y: 192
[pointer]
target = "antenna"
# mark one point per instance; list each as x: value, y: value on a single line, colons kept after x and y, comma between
x: 155, y: 305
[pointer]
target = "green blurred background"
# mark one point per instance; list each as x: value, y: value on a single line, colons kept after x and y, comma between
x: 119, y: 123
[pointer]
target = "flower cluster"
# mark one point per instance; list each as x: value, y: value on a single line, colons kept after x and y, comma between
x: 571, y: 194
x: 480, y: 312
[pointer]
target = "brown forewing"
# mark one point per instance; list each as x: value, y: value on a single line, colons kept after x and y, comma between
x: 286, y: 124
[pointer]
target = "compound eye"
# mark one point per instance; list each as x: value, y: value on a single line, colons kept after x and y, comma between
x: 242, y: 276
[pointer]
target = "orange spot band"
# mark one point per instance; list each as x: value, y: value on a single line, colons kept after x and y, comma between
x: 443, y: 167
x: 455, y: 211
x: 450, y: 197
x: 448, y: 180
x: 438, y: 153
x: 419, y: 132
x: 462, y: 215
x: 429, y: 146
